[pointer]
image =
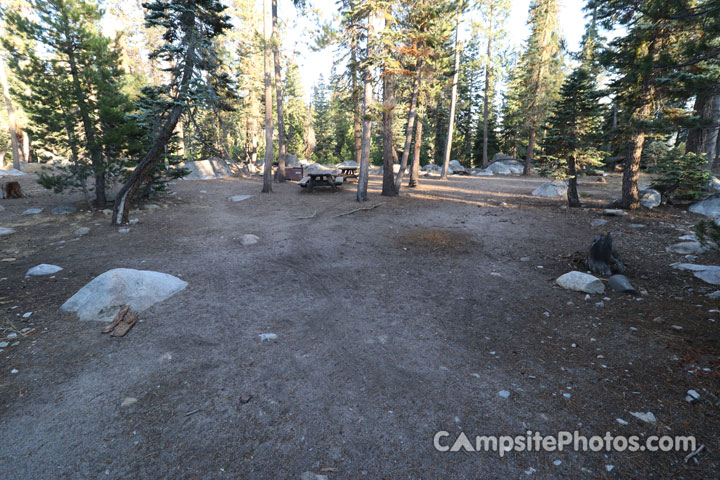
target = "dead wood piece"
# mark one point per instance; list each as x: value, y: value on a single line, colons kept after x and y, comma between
x: 360, y: 209
x: 125, y: 325
x: 118, y: 318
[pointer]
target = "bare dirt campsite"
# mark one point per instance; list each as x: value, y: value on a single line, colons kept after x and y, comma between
x: 435, y: 311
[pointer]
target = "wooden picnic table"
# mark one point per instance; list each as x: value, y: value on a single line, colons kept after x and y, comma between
x: 349, y: 172
x: 324, y: 179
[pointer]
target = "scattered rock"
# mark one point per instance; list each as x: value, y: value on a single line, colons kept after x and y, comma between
x: 551, y: 190
x: 128, y: 401
x: 150, y: 206
x: 687, y: 248
x: 239, y: 198
x: 267, y: 337
x: 646, y: 417
x: 64, y: 210
x: 14, y: 371
x: 614, y: 212
x: 636, y: 225
x: 714, y: 295
x: 11, y: 172
x: 81, y: 231
x: 12, y: 335
x: 650, y: 198
x: 714, y: 184
x: 581, y: 282
x: 621, y: 421
x: 124, y: 230
x: 27, y: 314
x: 707, y: 273
x: 4, y: 344
x: 312, y: 476
x: 206, y: 169
x: 620, y: 283
x: 504, y: 394
x: 598, y: 222
x: 6, y: 231
x: 103, y: 297
x: 32, y: 211
x: 249, y: 239
x: 42, y: 269
x: 525, y: 259
x: 692, y: 396
x: 709, y: 207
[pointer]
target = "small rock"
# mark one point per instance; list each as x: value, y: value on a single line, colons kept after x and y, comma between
x: 658, y: 320
x: 677, y: 327
x: 692, y: 396
x: 600, y: 304
x: 551, y: 190
x: 32, y: 211
x: 124, y: 230
x: 687, y: 248
x: 646, y: 417
x: 614, y: 212
x: 621, y: 421
x: 609, y: 468
x: 150, y: 206
x: 714, y: 295
x: 267, y: 337
x: 128, y: 401
x: 312, y: 476
x: 620, y: 283
x: 6, y: 231
x: 81, y: 231
x: 42, y: 269
x: 557, y: 463
x: 581, y: 282
x: 239, y: 198
x: 14, y: 370
x: 249, y: 239
x: 27, y: 314
x: 504, y: 393
x: 64, y: 210
x: 650, y: 198
x: 525, y: 259
x: 636, y: 225
x: 566, y: 395
x: 598, y: 222
x: 133, y: 221
x: 4, y: 344
x: 107, y: 211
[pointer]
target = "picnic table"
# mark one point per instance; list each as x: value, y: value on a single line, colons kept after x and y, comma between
x: 321, y: 179
x: 348, y: 172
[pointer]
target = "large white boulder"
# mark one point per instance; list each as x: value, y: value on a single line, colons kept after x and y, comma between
x: 714, y: 184
x: 42, y: 269
x: 103, y: 297
x: 650, y: 198
x: 709, y: 207
x: 499, y: 168
x: 551, y: 190
x: 206, y: 169
x: 581, y: 282
x: 687, y: 248
x: 11, y: 172
x: 707, y: 273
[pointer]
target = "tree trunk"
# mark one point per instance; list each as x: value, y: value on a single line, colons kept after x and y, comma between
x: 530, y: 152
x: 12, y: 123
x: 26, y: 146
x: 121, y: 209
x: 453, y: 99
x: 357, y: 110
x: 409, y: 130
x: 415, y: 166
x: 282, y: 142
x: 367, y: 121
x: 96, y: 156
x: 181, y: 136
x: 572, y: 193
x: 712, y: 140
x: 388, y: 186
x: 267, y: 53
x: 486, y: 98
x: 697, y: 136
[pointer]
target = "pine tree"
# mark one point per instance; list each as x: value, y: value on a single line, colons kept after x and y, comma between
x: 541, y: 65
x: 189, y: 30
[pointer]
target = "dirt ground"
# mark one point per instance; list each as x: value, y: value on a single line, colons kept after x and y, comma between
x: 393, y: 324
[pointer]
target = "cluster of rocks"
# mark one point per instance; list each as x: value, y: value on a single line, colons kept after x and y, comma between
x: 207, y: 169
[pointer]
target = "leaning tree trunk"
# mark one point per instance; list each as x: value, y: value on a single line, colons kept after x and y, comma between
x: 121, y: 209
x: 388, y: 185
x: 410, y: 125
x: 415, y: 166
x: 453, y: 101
x: 486, y: 98
x: 631, y: 173
x: 282, y: 143
x: 267, y: 53
x: 367, y: 123
x: 12, y: 123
